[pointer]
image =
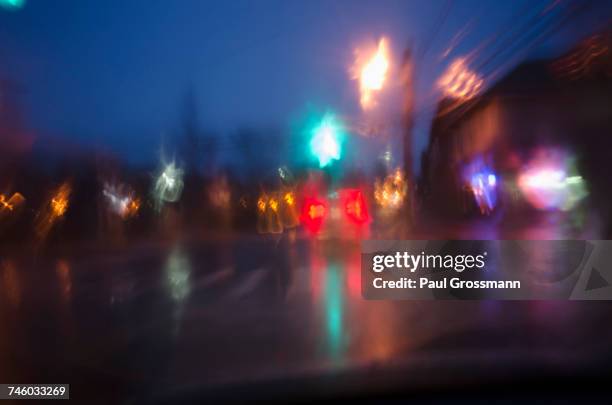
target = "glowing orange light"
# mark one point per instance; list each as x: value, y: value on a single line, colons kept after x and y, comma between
x: 11, y: 203
x: 132, y: 208
x: 390, y: 194
x: 288, y: 210
x: 261, y: 204
x: 59, y: 206
x: 459, y: 82
x: 59, y: 202
x: 268, y: 216
x: 372, y: 71
x: 5, y: 203
x: 53, y: 210
x: 273, y: 204
x: 289, y: 199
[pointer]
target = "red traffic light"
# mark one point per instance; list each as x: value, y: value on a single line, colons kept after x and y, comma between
x: 354, y: 205
x: 314, y: 212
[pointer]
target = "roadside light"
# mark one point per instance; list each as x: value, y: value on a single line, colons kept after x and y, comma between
x: 549, y: 186
x: 5, y: 204
x: 121, y: 200
x: 53, y: 210
x: 59, y: 206
x: 390, y: 193
x: 268, y: 215
x: 459, y: 82
x: 288, y: 210
x: 10, y: 204
x: 481, y: 181
x: 289, y: 199
x: 169, y: 185
x: 133, y: 207
x: 59, y: 202
x: 372, y: 70
x: 261, y: 205
x: 273, y: 204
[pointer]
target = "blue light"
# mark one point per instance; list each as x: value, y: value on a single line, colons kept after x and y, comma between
x: 482, y: 182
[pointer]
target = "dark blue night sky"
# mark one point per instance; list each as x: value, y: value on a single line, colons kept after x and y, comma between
x: 115, y: 72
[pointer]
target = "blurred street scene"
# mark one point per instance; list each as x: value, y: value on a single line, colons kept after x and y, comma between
x: 165, y: 232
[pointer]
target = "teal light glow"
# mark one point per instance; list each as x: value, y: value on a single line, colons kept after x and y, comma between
x: 12, y: 4
x: 326, y: 141
x: 333, y: 310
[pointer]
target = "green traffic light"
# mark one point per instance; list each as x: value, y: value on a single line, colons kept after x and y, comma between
x: 326, y: 141
x: 12, y: 4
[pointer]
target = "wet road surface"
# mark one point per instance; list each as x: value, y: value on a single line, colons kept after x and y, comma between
x: 157, y: 317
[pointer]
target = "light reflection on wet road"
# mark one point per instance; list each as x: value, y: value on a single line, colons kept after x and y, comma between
x: 204, y: 312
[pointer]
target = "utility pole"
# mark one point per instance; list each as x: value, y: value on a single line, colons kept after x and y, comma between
x: 408, y: 125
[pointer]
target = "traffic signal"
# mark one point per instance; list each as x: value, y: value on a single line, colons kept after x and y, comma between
x: 314, y: 212
x: 354, y: 205
x: 326, y: 141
